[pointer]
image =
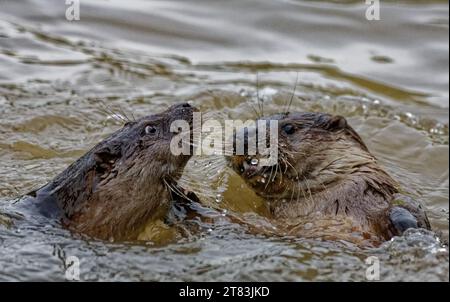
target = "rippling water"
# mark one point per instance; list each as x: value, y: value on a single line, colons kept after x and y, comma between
x: 389, y: 77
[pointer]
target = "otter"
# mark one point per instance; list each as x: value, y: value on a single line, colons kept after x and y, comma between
x: 326, y: 173
x: 121, y: 183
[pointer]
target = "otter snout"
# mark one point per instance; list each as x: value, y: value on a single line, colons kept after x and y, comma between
x: 250, y: 167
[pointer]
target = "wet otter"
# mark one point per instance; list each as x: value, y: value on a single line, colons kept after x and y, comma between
x: 325, y: 172
x: 121, y: 183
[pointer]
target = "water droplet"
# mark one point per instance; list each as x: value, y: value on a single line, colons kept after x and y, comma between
x: 219, y: 198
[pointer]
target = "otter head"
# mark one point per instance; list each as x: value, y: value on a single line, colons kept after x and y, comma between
x: 122, y: 182
x: 315, y: 151
x: 141, y: 152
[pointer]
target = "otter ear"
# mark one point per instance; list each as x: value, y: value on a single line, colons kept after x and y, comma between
x: 336, y: 123
x: 105, y: 158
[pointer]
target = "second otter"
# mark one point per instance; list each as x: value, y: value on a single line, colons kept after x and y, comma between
x: 325, y: 171
x: 115, y: 188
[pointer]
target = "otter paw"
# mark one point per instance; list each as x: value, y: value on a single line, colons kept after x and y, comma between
x: 402, y: 219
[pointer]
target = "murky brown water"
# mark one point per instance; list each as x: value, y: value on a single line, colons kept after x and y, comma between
x: 389, y: 77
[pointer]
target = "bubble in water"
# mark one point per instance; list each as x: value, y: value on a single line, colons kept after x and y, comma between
x: 254, y: 162
x: 219, y: 198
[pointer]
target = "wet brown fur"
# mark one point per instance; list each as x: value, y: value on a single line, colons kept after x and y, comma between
x: 115, y: 188
x: 325, y: 171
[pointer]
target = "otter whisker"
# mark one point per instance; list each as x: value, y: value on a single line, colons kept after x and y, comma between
x: 116, y: 116
x: 176, y: 191
x: 292, y: 195
x: 270, y: 178
x: 276, y: 171
x: 132, y: 116
x: 254, y: 109
x: 298, y: 190
x: 298, y: 182
x: 124, y: 114
x: 309, y: 189
x: 288, y: 107
x: 259, y: 100
x: 108, y: 111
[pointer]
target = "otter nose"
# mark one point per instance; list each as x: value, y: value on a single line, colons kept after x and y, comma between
x: 182, y: 110
x: 182, y: 106
x: 250, y: 167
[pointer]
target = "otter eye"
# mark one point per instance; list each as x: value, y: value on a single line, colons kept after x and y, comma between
x: 150, y: 130
x: 289, y: 129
